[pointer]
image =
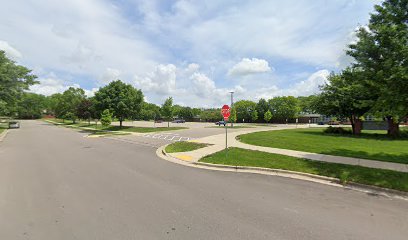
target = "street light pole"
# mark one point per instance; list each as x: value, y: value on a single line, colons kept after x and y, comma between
x: 232, y: 103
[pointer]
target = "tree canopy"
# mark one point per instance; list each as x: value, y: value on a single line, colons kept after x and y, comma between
x: 123, y: 100
x: 14, y: 80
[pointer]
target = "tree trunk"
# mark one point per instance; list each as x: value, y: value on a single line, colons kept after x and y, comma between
x: 356, y: 125
x: 120, y: 122
x: 168, y: 124
x: 393, y: 127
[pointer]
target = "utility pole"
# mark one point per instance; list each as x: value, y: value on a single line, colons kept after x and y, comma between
x: 232, y: 105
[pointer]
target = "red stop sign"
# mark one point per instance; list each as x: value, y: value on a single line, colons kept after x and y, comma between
x: 225, y: 111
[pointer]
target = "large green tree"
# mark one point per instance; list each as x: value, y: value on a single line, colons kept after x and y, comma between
x: 381, y: 53
x: 123, y: 100
x: 344, y: 96
x: 186, y: 113
x: 262, y: 107
x: 306, y: 104
x: 14, y: 80
x: 67, y: 103
x: 31, y: 105
x: 283, y: 108
x: 244, y: 109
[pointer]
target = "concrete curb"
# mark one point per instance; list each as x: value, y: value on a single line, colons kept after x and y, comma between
x: 160, y: 152
x: 3, y: 135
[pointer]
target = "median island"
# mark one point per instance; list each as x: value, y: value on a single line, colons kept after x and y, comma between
x: 184, y: 147
x: 99, y: 129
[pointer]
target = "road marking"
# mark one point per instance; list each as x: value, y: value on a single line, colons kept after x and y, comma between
x: 184, y: 157
x: 168, y: 137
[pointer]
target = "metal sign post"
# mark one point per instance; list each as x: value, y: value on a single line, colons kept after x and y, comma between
x: 225, y: 111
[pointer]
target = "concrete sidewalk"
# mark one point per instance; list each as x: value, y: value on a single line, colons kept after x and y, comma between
x: 218, y: 144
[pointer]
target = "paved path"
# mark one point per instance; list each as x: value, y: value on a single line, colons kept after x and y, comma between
x: 218, y: 144
x: 57, y: 184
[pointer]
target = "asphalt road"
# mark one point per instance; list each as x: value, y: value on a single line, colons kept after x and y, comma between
x: 56, y: 184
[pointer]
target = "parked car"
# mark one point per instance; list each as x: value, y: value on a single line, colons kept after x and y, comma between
x: 14, y: 124
x: 179, y: 121
x: 333, y: 123
x: 219, y: 123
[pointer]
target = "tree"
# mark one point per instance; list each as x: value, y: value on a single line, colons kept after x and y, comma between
x: 85, y: 110
x: 262, y: 107
x: 106, y: 118
x: 68, y: 102
x: 381, y: 53
x: 283, y: 108
x: 14, y: 79
x: 210, y: 115
x: 344, y: 97
x: 122, y: 100
x: 167, y: 110
x: 267, y: 116
x: 31, y: 106
x: 306, y: 104
x: 244, y: 109
x: 186, y: 113
x: 233, y: 115
x: 254, y: 115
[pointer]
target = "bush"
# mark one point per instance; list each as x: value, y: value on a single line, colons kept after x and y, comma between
x: 106, y: 118
x: 337, y: 130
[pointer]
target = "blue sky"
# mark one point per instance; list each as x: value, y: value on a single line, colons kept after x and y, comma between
x: 195, y: 51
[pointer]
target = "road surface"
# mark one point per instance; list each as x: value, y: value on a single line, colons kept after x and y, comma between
x: 57, y: 184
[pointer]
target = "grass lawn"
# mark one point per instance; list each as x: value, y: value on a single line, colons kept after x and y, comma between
x: 346, y: 173
x: 82, y: 124
x: 370, y: 145
x: 184, y: 147
x: 3, y: 126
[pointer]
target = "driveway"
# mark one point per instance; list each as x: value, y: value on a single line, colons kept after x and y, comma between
x: 57, y: 184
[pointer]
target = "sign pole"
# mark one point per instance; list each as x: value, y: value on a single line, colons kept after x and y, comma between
x: 225, y: 111
x: 226, y: 141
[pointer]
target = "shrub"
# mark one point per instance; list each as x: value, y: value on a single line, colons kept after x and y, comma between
x: 106, y: 118
x: 336, y: 130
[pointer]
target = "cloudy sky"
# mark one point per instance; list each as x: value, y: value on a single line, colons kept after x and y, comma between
x: 195, y: 51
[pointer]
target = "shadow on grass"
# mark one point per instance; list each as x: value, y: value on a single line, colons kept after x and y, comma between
x: 358, y: 174
x: 383, y: 157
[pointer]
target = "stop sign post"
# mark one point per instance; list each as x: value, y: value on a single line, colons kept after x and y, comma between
x: 226, y: 112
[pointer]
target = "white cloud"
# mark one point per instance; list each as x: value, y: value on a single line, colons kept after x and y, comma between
x: 110, y: 74
x: 53, y: 84
x: 303, y: 88
x: 249, y: 66
x: 202, y: 86
x: 161, y: 81
x: 91, y: 93
x: 9, y: 50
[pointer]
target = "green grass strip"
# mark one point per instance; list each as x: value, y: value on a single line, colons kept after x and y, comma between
x: 184, y: 147
x: 346, y: 173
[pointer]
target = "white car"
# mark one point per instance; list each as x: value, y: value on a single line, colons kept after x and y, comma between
x: 14, y: 124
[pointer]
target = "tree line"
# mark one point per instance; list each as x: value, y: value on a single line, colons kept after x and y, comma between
x: 376, y: 83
